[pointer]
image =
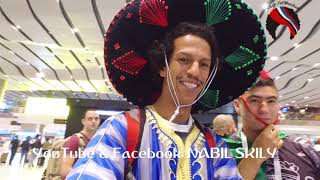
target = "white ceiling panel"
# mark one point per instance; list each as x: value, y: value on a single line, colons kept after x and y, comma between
x: 19, y: 12
x: 108, y: 10
x: 84, y: 19
x: 8, y: 31
x: 50, y: 14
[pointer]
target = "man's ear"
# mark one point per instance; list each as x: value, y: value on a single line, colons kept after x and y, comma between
x: 163, y: 72
x: 236, y: 105
x: 82, y: 121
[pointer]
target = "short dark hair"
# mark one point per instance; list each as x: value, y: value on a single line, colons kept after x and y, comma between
x: 264, y: 82
x: 156, y: 55
x: 85, y: 113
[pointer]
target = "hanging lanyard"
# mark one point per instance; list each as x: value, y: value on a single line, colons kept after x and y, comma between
x: 173, y: 126
x: 276, y: 160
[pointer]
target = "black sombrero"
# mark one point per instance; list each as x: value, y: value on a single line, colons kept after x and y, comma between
x: 239, y: 32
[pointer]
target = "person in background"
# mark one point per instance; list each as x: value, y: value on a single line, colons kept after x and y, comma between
x: 90, y: 122
x: 14, y: 147
x: 35, y: 146
x: 45, y: 147
x: 224, y: 125
x: 258, y: 109
x: 25, y: 147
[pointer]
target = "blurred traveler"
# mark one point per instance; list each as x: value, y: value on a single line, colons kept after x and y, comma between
x: 224, y: 125
x: 14, y: 147
x: 25, y: 147
x: 78, y: 141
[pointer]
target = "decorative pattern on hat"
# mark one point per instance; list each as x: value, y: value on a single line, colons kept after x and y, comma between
x: 217, y: 11
x: 129, y: 63
x: 210, y: 98
x: 153, y: 12
x: 241, y: 58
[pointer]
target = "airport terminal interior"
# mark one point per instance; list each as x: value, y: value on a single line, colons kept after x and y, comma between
x: 52, y: 69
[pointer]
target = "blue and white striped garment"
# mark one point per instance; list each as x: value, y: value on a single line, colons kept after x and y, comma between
x: 104, y: 152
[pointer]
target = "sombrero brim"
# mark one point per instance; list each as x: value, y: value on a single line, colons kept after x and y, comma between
x: 239, y: 32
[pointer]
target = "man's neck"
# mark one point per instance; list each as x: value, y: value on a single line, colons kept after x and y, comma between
x: 251, y: 135
x: 89, y: 134
x: 166, y: 109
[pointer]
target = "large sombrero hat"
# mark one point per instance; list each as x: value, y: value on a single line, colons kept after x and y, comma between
x: 239, y: 32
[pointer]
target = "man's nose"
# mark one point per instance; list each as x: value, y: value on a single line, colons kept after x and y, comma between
x: 263, y: 107
x: 194, y: 69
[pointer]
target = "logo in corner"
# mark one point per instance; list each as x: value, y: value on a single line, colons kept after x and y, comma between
x: 283, y: 16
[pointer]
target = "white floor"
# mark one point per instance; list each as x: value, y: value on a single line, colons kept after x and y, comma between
x: 15, y: 171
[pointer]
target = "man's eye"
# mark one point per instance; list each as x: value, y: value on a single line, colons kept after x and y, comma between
x: 183, y: 60
x: 205, y: 65
x: 273, y: 101
x: 254, y: 101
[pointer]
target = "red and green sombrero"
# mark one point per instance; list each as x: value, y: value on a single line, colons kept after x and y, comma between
x: 238, y: 30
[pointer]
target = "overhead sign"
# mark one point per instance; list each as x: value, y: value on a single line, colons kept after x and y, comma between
x: 60, y: 121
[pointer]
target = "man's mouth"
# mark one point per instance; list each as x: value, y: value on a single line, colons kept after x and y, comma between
x: 190, y: 85
x: 266, y: 120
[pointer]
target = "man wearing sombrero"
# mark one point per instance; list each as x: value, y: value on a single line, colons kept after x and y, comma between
x: 164, y: 56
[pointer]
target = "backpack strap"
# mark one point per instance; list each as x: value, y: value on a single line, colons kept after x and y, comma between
x: 83, y: 141
x: 206, y: 133
x: 135, y: 129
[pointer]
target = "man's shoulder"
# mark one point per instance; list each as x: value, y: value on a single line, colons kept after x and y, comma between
x: 73, y: 139
x: 291, y: 144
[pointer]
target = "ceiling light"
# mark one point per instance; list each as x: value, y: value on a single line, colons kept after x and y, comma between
x: 293, y: 101
x: 3, y: 106
x: 15, y: 28
x: 295, y: 68
x: 11, y: 52
x: 287, y: 104
x: 28, y: 63
x: 18, y: 27
x: 316, y: 64
x: 306, y: 105
x: 274, y: 58
x: 7, y: 76
x: 296, y: 45
x: 74, y: 30
x: 71, y: 76
x: 265, y: 6
x: 311, y: 79
x: 40, y: 75
x: 306, y: 97
x: 278, y: 77
x: 280, y: 96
